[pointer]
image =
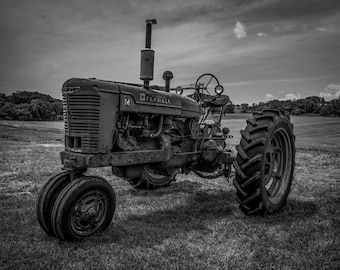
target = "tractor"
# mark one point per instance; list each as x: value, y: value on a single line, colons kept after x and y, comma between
x: 148, y: 134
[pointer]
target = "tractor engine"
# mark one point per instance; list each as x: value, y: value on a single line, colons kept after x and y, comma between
x: 104, y: 117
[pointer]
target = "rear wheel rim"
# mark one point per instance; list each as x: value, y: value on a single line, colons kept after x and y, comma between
x: 278, y: 166
x: 89, y: 213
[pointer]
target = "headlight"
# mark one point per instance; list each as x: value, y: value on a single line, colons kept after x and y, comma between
x: 219, y: 89
x: 179, y: 90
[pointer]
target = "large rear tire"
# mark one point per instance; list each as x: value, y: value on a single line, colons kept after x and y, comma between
x: 85, y: 206
x: 47, y: 198
x: 265, y: 163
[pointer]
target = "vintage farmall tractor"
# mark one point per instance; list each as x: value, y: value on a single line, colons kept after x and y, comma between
x: 148, y: 135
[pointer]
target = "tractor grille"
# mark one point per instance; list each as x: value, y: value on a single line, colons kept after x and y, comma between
x: 81, y: 119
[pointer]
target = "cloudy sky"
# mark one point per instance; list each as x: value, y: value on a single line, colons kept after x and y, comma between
x: 259, y: 49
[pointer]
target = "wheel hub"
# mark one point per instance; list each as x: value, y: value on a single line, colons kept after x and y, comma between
x: 89, y: 213
x: 276, y: 167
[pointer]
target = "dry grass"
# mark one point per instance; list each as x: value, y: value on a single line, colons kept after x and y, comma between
x: 193, y: 224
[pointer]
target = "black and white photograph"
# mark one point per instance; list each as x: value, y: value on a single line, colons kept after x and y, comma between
x: 170, y: 134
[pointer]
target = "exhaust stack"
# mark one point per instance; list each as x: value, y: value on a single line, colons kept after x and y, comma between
x: 147, y: 56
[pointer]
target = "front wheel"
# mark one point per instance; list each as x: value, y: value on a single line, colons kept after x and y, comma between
x: 265, y: 163
x: 47, y: 197
x: 85, y: 206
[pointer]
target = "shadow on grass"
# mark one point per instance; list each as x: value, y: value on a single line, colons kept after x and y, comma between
x: 297, y: 208
x: 175, y: 187
x: 202, y: 207
x: 152, y: 228
x: 293, y: 211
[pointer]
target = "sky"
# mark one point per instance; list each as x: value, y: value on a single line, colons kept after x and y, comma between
x: 258, y: 49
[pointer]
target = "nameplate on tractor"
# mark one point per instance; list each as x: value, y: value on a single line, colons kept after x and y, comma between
x: 154, y: 99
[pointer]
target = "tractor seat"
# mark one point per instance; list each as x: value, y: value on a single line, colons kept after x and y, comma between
x: 215, y: 101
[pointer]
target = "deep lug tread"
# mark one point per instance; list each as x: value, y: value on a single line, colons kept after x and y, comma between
x: 239, y: 189
x: 252, y: 122
x: 241, y: 152
x: 257, y: 158
x: 251, y: 193
x: 239, y: 200
x: 258, y: 210
x: 239, y: 171
x: 253, y: 196
x: 265, y: 117
x: 257, y: 128
x: 255, y: 177
x: 245, y: 135
x: 274, y: 111
x: 254, y: 143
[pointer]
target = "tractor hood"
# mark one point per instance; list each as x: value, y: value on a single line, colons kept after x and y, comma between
x: 136, y: 98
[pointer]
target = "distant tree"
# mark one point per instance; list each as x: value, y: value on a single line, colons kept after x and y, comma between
x: 296, y: 111
x: 3, y: 98
x: 28, y: 106
x: 325, y: 111
x: 26, y: 97
x: 229, y: 108
x: 244, y: 107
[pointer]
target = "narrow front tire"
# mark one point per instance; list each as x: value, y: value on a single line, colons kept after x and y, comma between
x: 84, y: 207
x: 47, y: 197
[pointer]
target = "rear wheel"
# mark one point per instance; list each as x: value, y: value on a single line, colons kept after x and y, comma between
x: 84, y: 207
x: 47, y: 198
x: 151, y: 178
x: 265, y: 163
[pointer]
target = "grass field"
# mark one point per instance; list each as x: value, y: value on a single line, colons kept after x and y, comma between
x: 193, y: 224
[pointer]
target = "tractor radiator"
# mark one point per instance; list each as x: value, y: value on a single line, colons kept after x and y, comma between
x: 81, y: 119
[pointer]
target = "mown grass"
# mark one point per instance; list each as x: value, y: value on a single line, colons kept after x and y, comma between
x: 193, y: 224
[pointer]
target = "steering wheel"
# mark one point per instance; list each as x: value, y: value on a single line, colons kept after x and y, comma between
x: 205, y: 86
x: 206, y: 83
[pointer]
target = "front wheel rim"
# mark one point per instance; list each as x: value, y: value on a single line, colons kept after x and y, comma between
x: 278, y: 166
x: 89, y: 213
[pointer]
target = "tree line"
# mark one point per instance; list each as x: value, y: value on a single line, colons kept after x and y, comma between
x: 30, y: 106
x: 309, y: 105
x: 34, y: 106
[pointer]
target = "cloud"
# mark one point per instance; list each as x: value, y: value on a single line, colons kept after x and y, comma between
x: 321, y: 29
x: 333, y: 87
x: 290, y: 96
x: 240, y: 30
x: 288, y: 10
x: 261, y: 34
x: 332, y: 91
x: 269, y: 97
